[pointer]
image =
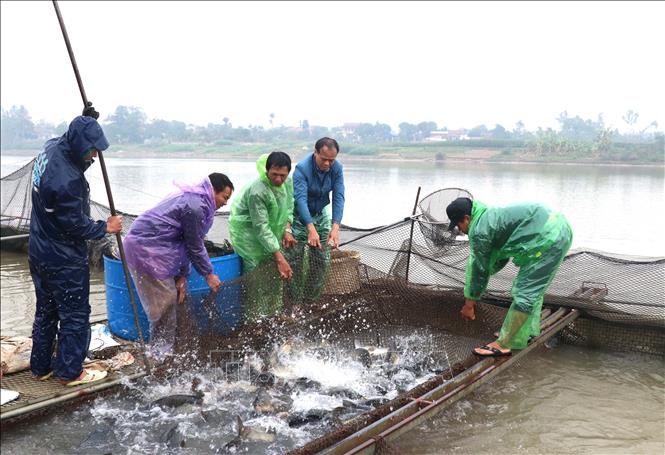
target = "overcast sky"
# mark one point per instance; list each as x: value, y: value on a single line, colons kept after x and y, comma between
x: 458, y: 64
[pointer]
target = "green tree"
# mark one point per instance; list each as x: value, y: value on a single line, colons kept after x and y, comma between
x: 45, y: 130
x: 425, y: 128
x: 659, y: 143
x: 499, y: 132
x: 383, y: 132
x: 365, y: 132
x: 127, y: 125
x: 518, y: 131
x: 241, y: 134
x: 377, y: 133
x: 630, y: 117
x: 577, y: 128
x: 478, y: 131
x: 407, y: 132
x: 316, y: 132
x: 603, y: 143
x: 16, y: 127
x: 653, y: 124
x: 167, y: 131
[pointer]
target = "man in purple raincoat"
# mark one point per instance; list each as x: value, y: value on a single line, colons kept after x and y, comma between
x: 160, y: 246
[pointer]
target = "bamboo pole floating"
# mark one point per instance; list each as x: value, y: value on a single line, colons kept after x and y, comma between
x: 107, y: 184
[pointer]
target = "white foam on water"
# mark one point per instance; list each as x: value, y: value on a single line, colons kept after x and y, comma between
x: 305, y: 401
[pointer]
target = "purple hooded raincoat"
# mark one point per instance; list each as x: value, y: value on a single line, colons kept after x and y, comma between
x: 163, y: 241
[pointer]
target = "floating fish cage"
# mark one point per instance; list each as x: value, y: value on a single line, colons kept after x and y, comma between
x: 394, y: 281
x: 368, y: 324
x: 372, y: 325
x: 595, y: 297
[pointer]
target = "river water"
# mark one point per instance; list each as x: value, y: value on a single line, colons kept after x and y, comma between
x: 565, y: 400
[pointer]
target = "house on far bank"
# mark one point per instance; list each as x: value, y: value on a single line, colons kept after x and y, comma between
x: 447, y: 135
x: 349, y: 132
x: 349, y: 129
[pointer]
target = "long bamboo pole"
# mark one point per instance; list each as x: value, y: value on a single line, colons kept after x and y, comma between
x: 107, y: 184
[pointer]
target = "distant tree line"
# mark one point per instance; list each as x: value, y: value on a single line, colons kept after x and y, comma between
x: 574, y: 137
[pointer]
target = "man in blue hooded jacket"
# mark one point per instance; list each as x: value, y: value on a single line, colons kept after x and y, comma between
x: 60, y: 224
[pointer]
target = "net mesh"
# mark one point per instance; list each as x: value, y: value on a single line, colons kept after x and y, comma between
x: 15, y: 201
x: 433, y: 220
x: 621, y: 289
x: 399, y: 279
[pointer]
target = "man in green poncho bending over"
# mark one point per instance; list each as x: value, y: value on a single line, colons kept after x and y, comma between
x: 259, y: 227
x: 535, y: 237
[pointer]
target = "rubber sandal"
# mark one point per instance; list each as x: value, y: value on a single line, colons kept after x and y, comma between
x: 45, y: 377
x: 88, y: 377
x: 494, y: 352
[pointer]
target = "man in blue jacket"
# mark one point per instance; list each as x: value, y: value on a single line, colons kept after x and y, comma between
x: 60, y: 224
x: 314, y: 178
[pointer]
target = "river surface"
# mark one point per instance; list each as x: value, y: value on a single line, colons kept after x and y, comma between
x: 564, y: 400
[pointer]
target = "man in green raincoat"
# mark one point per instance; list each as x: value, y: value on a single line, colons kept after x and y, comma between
x: 535, y: 237
x: 259, y: 227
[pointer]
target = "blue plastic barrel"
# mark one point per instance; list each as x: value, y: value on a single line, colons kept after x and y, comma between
x: 226, y: 304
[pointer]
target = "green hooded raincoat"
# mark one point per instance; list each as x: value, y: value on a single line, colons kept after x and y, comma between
x: 256, y: 225
x: 537, y: 239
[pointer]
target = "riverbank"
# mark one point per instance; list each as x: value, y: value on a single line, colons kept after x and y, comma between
x: 352, y: 152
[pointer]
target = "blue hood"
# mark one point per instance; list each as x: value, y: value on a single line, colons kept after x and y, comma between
x: 60, y: 220
x: 83, y: 134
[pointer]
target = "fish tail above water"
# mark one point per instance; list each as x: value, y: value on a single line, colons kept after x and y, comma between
x: 241, y: 427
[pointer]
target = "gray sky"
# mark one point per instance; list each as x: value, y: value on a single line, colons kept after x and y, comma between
x: 458, y: 64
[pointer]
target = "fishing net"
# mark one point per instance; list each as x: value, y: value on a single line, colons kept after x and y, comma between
x: 15, y: 202
x: 433, y: 221
x: 416, y: 254
x: 388, y: 284
x: 16, y: 206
